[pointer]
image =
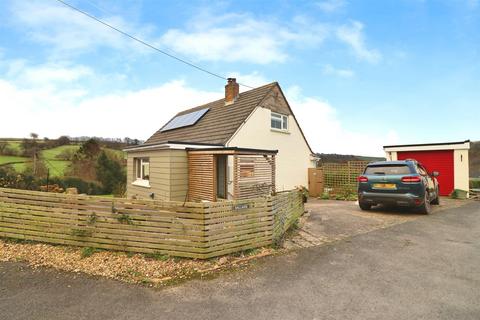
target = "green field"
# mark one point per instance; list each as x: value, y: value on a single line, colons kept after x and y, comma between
x: 57, y: 167
x: 19, y: 167
x: 50, y: 157
x: 52, y: 154
x: 11, y: 159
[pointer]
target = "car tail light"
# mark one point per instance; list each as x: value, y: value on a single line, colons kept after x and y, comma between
x: 411, y: 179
x: 362, y: 179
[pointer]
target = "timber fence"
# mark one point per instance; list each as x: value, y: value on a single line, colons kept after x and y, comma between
x: 342, y: 177
x: 190, y: 229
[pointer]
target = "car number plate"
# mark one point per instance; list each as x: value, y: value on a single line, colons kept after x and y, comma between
x: 384, y: 185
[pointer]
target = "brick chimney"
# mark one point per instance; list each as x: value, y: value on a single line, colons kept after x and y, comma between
x: 231, y: 91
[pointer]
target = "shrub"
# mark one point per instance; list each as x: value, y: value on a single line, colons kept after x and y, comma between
x: 10, y: 179
x: 325, y: 196
x: 110, y: 174
x: 157, y: 256
x: 38, y: 170
x: 63, y: 140
x: 458, y: 194
x: 475, y: 184
x: 66, y: 154
x: 88, y: 252
x: 6, y: 150
x: 82, y: 186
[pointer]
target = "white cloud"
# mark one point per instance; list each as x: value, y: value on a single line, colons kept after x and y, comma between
x: 352, y: 34
x: 241, y: 37
x: 329, y: 6
x: 52, y: 110
x: 330, y: 70
x: 54, y: 73
x: 324, y: 131
x: 65, y: 30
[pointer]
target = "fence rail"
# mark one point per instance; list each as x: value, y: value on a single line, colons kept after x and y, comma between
x: 342, y: 177
x: 196, y: 230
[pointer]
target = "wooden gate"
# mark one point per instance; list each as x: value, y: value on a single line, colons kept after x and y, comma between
x: 315, y: 182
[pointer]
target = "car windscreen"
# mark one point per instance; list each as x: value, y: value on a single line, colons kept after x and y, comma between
x: 387, y: 170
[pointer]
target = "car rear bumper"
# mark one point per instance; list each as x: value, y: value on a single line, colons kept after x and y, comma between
x: 398, y: 199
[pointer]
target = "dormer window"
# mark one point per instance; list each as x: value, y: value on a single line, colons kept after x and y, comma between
x: 279, y: 121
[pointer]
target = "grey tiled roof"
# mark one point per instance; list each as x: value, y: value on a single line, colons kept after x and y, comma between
x: 219, y: 124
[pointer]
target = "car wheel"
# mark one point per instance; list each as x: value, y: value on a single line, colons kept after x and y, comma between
x: 425, y: 208
x: 364, y: 206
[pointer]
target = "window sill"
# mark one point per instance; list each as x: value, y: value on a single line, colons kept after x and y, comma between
x: 141, y: 183
x: 280, y: 131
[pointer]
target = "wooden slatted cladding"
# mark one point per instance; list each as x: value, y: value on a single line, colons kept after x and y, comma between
x: 253, y: 173
x: 185, y: 229
x: 201, y: 177
x: 254, y: 176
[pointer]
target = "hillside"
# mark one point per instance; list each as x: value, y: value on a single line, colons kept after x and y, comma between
x: 474, y: 156
x: 341, y: 158
x: 56, y: 158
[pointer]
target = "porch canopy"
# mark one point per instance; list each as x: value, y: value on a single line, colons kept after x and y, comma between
x: 230, y: 173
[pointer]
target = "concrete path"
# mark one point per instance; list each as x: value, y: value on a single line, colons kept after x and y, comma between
x: 427, y: 268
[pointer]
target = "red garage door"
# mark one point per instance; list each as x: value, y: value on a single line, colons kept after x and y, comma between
x: 438, y: 160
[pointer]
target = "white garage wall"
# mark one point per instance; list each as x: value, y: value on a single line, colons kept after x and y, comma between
x: 461, y: 169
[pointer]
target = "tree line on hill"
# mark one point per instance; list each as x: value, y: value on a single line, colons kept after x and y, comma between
x: 344, y: 158
x: 94, y: 168
x: 34, y: 144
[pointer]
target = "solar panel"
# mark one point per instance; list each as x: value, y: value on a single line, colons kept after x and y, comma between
x: 185, y: 120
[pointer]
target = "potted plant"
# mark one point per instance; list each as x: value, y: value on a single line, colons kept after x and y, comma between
x: 304, y: 191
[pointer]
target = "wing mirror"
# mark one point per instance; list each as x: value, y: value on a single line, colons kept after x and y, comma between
x: 435, y: 173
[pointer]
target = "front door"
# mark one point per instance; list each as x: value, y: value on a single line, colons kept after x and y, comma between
x: 221, y: 176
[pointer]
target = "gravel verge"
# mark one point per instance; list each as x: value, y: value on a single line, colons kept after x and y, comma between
x: 151, y: 270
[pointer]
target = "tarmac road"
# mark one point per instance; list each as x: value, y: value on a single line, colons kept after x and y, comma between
x: 427, y: 268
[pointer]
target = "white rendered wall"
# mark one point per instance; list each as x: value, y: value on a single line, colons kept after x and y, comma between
x: 293, y: 158
x: 461, y: 169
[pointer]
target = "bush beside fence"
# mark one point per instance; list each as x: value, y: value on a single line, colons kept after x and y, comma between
x: 196, y: 230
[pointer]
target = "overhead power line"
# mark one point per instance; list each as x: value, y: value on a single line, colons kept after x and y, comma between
x: 145, y: 43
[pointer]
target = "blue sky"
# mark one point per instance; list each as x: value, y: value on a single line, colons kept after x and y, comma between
x: 358, y: 74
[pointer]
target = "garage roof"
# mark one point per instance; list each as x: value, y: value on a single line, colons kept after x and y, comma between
x: 429, y: 146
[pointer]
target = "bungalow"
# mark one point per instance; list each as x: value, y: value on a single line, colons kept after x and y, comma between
x: 245, y: 145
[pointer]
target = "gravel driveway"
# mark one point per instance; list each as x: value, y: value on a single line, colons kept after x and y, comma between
x: 333, y: 220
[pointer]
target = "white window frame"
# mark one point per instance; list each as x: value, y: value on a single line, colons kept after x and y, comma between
x: 138, y: 164
x: 283, y: 118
